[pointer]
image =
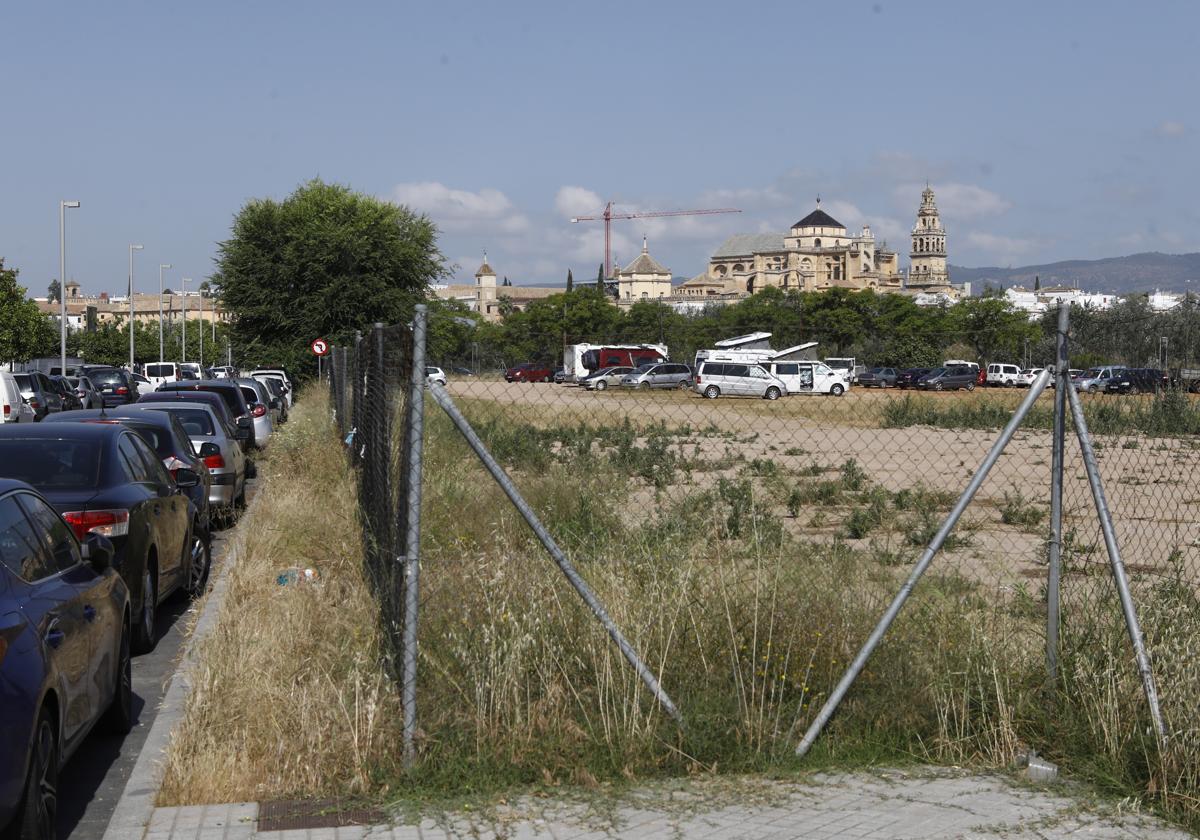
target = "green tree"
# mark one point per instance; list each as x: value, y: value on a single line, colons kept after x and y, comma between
x: 570, y: 281
x: 24, y: 331
x: 325, y: 261
x: 600, y: 277
x: 54, y: 291
x: 994, y: 328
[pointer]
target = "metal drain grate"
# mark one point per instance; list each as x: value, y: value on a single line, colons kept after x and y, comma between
x: 285, y: 814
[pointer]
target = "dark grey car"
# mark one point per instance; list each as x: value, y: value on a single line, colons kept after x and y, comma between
x: 661, y: 375
x: 878, y: 377
x: 949, y: 379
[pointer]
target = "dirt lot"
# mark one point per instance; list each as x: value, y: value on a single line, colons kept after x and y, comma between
x: 1152, y: 484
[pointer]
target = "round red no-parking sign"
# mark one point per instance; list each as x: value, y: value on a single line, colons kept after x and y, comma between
x: 320, y: 347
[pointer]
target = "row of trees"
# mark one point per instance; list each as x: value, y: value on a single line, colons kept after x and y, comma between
x: 883, y: 329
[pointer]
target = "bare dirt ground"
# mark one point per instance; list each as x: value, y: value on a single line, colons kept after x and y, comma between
x: 1152, y: 484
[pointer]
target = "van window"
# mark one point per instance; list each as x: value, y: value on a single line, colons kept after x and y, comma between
x: 160, y: 370
x: 737, y: 370
x: 790, y: 369
x: 714, y: 369
x: 823, y: 370
x: 758, y: 373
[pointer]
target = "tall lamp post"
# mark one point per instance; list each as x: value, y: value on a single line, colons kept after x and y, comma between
x: 161, y: 266
x: 201, y: 332
x: 132, y: 248
x: 183, y: 353
x: 62, y: 279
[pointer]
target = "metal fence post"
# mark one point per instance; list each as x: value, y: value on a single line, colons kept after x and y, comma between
x: 1116, y: 564
x: 1062, y: 380
x: 836, y: 696
x: 415, y: 428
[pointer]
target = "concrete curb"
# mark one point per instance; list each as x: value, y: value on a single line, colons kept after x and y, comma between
x: 135, y: 808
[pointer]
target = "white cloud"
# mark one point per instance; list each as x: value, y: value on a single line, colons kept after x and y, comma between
x: 578, y: 201
x: 1170, y: 128
x: 955, y: 200
x: 485, y: 211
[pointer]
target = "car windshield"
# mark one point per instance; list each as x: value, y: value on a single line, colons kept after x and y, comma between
x: 1092, y: 373
x: 107, y: 377
x: 51, y: 464
x: 938, y: 371
x: 644, y: 368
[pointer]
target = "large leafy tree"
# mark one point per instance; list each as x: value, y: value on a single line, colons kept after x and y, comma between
x: 24, y: 331
x: 325, y: 261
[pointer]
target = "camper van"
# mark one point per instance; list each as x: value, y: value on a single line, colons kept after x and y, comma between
x: 580, y: 360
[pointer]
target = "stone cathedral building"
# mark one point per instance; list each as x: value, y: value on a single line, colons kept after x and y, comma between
x: 818, y: 253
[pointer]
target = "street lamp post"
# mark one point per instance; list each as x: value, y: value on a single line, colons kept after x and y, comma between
x: 62, y: 279
x: 183, y: 353
x: 161, y: 266
x: 132, y: 248
x: 201, y: 328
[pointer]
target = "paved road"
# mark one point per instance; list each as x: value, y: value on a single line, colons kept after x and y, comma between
x: 94, y: 778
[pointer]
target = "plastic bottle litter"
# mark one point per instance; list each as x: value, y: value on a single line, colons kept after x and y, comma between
x: 1038, y: 769
x: 297, y: 575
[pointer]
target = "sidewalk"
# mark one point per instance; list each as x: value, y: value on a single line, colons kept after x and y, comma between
x: 887, y: 804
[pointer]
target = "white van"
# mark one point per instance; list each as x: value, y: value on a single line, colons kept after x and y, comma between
x: 161, y: 372
x: 13, y: 408
x: 1002, y: 375
x: 809, y: 377
x: 735, y: 379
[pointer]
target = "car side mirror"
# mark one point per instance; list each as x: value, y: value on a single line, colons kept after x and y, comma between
x: 186, y: 478
x: 207, y: 450
x: 98, y: 551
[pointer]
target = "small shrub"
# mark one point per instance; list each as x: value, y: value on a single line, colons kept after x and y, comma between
x: 854, y: 477
x: 1017, y: 511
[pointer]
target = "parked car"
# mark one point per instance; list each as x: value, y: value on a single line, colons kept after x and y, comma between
x: 808, y: 377
x: 88, y: 395
x: 160, y: 373
x: 462, y: 371
x: 1028, y: 375
x: 848, y: 367
x: 13, y: 407
x: 64, y: 654
x: 216, y: 444
x: 1096, y: 379
x: 949, y: 379
x: 105, y: 479
x: 116, y: 385
x: 241, y: 428
x: 662, y: 375
x: 878, y: 377
x: 224, y: 372
x: 263, y: 409
x: 909, y: 377
x: 281, y: 373
x: 39, y: 392
x: 277, y: 390
x: 604, y: 378
x: 1138, y: 381
x: 435, y: 374
x: 229, y: 391
x: 562, y: 376
x: 66, y: 393
x: 529, y: 372
x: 170, y: 442
x: 1000, y: 375
x: 735, y: 379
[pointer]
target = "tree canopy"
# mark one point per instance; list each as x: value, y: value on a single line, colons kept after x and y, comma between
x: 24, y: 331
x: 325, y: 261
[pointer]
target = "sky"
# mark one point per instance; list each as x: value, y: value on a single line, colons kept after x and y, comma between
x: 1048, y: 130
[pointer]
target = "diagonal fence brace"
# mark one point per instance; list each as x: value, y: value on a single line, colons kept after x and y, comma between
x: 568, y: 569
x: 935, y: 545
x: 1117, y: 565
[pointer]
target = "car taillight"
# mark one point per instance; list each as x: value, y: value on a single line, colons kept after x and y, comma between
x: 7, y: 409
x: 173, y: 465
x: 259, y: 410
x: 121, y: 389
x: 214, y: 462
x: 35, y: 405
x: 107, y: 523
x: 697, y: 379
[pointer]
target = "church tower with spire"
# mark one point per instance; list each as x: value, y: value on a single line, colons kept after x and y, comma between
x: 485, y: 288
x: 928, y: 255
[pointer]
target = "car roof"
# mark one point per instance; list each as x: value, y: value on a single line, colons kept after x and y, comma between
x: 9, y: 484
x: 60, y: 431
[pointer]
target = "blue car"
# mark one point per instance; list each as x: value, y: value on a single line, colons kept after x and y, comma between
x: 64, y: 653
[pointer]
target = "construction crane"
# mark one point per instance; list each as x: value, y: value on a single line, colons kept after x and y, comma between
x: 608, y: 215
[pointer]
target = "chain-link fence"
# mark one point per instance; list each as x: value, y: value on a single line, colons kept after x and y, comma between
x: 741, y: 514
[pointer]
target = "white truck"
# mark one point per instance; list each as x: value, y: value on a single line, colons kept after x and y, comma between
x: 848, y: 366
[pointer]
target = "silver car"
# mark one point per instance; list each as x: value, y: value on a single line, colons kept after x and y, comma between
x: 215, y: 444
x: 737, y: 379
x: 603, y: 378
x: 660, y: 375
x: 282, y: 374
x: 259, y: 401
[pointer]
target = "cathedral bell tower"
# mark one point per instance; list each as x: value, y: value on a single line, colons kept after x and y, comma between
x: 928, y: 255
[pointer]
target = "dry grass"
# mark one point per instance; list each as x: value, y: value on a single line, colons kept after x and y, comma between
x: 288, y: 697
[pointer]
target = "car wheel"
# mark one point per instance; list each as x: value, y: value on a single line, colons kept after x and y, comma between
x: 147, y: 634
x: 684, y: 385
x: 938, y: 386
x: 39, y: 811
x: 601, y: 385
x: 772, y: 393
x: 118, y: 718
x: 199, y: 564
x: 970, y: 386
x: 1091, y: 389
x: 712, y: 392
x: 836, y: 390
x: 643, y: 386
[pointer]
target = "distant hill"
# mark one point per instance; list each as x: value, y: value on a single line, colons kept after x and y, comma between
x: 1115, y: 275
